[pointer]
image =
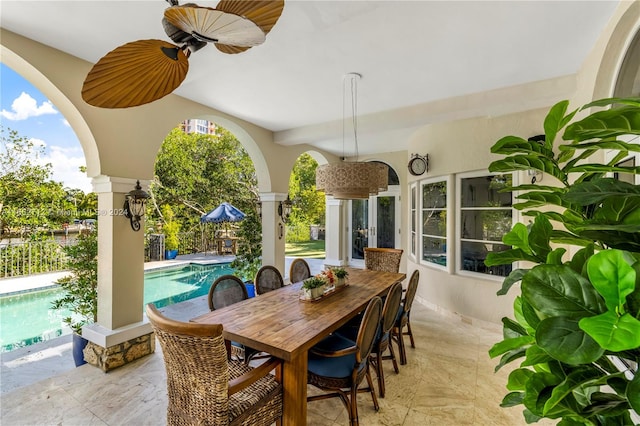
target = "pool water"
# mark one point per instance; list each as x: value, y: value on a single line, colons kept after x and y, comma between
x: 26, y: 318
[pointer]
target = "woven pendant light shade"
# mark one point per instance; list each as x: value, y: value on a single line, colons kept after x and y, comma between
x: 264, y: 14
x: 214, y: 25
x: 134, y: 74
x: 352, y: 180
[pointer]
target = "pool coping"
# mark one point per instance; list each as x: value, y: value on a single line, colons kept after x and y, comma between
x: 24, y: 284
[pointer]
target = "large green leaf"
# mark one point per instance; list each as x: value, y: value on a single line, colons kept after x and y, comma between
x: 564, y: 340
x: 579, y: 260
x: 555, y: 121
x: 510, y: 357
x: 612, y: 101
x: 518, y: 378
x: 610, y: 406
x: 624, y: 120
x: 538, y: 391
x: 527, y: 162
x: 603, y: 144
x: 612, y: 331
x: 539, y: 237
x: 557, y: 290
x: 508, y: 345
x: 618, y: 208
x: 508, y: 256
x: 512, y: 399
x: 518, y: 237
x: 535, y: 355
x: 578, y: 378
x: 633, y: 392
x: 598, y: 190
x: 613, y: 277
x: 514, y: 277
x: 629, y: 241
x: 600, y: 168
x: 546, y: 198
x: 514, y: 144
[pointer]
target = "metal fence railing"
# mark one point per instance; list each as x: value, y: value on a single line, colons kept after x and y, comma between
x: 31, y: 258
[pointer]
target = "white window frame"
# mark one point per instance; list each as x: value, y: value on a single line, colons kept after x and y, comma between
x: 458, y: 223
x: 448, y: 233
x: 414, y: 209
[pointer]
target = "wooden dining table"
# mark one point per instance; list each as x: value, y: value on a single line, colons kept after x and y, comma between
x: 286, y: 327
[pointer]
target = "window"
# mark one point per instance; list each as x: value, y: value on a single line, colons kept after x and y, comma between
x: 485, y: 217
x: 434, y: 222
x: 414, y: 220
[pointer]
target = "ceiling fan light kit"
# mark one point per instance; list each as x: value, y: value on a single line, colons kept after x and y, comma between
x: 144, y: 71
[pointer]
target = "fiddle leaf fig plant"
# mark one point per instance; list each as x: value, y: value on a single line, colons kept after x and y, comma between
x: 576, y: 326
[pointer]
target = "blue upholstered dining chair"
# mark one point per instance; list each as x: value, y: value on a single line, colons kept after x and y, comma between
x: 404, y: 320
x: 382, y: 342
x: 227, y: 290
x: 339, y: 372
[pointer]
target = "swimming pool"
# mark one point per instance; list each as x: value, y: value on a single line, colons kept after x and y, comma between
x: 26, y: 318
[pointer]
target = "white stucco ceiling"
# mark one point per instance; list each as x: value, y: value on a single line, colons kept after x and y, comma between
x: 410, y: 53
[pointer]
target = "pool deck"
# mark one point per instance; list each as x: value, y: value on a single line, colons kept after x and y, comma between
x: 34, y: 363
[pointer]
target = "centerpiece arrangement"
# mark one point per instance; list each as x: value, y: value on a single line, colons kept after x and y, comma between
x: 323, y: 284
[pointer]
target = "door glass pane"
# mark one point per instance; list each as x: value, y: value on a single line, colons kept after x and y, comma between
x: 386, y: 222
x: 359, y: 227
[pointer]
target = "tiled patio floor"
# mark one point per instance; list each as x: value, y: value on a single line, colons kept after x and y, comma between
x: 449, y: 380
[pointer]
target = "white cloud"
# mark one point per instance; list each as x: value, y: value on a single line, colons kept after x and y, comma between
x: 24, y: 106
x: 66, y: 164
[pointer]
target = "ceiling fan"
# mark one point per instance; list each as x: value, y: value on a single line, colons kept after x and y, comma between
x: 144, y: 71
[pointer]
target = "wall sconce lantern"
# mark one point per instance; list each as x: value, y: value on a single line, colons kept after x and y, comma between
x: 284, y: 209
x: 259, y: 208
x: 134, y: 206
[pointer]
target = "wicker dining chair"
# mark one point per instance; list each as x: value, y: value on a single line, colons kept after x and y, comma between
x: 204, y: 387
x: 382, y: 259
x: 339, y: 372
x: 299, y: 270
x: 382, y: 342
x: 268, y: 278
x: 404, y: 318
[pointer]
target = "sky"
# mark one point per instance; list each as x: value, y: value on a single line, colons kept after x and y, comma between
x: 24, y: 109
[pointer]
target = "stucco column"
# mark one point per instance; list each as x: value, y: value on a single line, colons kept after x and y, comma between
x: 273, y: 230
x: 120, y: 268
x: 335, y: 233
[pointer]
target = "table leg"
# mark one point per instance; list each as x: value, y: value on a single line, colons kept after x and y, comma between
x: 294, y: 379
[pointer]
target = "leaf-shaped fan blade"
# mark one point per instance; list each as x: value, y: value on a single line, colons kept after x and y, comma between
x: 134, y: 74
x: 212, y: 25
x: 264, y: 13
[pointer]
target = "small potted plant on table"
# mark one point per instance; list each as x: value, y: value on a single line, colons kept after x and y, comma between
x: 341, y: 276
x: 313, y: 288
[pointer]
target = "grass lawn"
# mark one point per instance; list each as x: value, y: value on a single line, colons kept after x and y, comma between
x: 308, y: 249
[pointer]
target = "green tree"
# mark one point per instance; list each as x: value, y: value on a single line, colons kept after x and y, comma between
x: 28, y: 197
x: 194, y: 173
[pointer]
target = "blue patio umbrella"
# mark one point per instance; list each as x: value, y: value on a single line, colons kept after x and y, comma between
x: 224, y: 213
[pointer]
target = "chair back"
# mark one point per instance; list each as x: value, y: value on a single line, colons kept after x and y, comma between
x: 390, y: 309
x: 382, y: 259
x: 368, y: 330
x: 411, y: 291
x: 299, y: 270
x: 195, y: 360
x: 225, y: 291
x: 268, y: 279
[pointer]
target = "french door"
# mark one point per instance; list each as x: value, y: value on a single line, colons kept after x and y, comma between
x: 374, y: 222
